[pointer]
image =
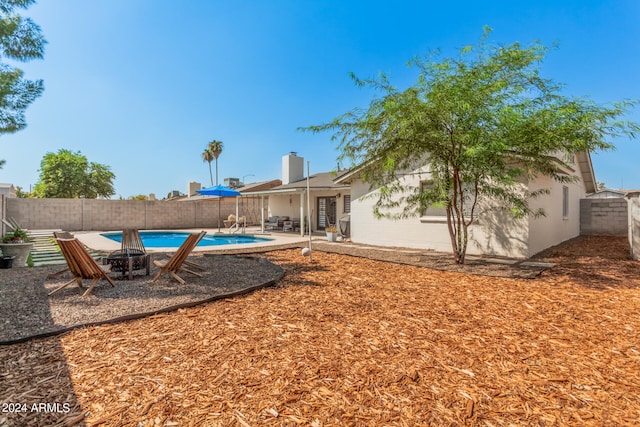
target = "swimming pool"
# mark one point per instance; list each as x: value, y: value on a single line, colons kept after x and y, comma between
x: 170, y: 239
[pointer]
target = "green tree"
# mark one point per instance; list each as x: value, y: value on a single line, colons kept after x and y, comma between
x: 66, y: 174
x: 481, y: 122
x: 212, y: 152
x: 20, y: 193
x: 207, y: 156
x: 21, y: 40
x: 139, y: 197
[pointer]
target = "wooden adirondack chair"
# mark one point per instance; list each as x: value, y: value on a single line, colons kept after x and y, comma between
x: 60, y: 235
x: 81, y: 265
x: 63, y: 235
x: 131, y: 240
x: 175, y: 264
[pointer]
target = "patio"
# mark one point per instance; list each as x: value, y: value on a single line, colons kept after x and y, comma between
x: 354, y: 341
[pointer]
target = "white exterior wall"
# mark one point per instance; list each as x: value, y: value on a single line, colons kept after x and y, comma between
x: 553, y: 229
x: 286, y: 205
x: 410, y: 233
x: 289, y: 205
x: 496, y: 232
x: 490, y: 235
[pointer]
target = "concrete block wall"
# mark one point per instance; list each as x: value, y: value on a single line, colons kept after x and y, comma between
x: 105, y: 215
x: 634, y: 227
x: 607, y: 217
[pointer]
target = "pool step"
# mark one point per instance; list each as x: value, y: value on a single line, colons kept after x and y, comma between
x: 46, y: 252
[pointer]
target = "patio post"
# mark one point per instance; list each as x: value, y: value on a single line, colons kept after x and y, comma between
x: 302, y: 221
x: 262, y: 212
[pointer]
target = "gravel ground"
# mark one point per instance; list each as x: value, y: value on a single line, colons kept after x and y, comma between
x: 27, y: 311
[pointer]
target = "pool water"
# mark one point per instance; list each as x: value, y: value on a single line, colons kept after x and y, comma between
x: 168, y: 239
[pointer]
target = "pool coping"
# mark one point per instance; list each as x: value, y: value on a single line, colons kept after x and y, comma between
x: 96, y: 241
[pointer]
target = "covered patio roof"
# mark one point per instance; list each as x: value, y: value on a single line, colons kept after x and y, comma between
x: 323, y: 181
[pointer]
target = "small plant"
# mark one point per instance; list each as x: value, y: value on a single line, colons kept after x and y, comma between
x: 17, y: 236
x: 331, y: 228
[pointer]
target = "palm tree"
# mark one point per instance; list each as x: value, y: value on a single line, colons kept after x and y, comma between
x: 207, y: 156
x: 215, y: 148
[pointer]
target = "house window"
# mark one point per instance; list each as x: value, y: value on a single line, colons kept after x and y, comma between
x: 433, y: 210
x: 565, y: 202
x: 347, y: 203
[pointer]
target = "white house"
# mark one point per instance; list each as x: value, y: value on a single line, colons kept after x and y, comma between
x: 8, y: 190
x: 495, y: 233
x: 329, y: 201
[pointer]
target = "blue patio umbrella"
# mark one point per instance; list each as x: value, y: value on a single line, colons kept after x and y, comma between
x: 219, y: 191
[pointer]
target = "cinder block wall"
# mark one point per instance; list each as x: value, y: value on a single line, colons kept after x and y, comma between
x: 105, y: 215
x: 608, y: 217
x: 634, y: 227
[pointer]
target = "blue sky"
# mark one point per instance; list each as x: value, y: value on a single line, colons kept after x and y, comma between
x: 143, y: 85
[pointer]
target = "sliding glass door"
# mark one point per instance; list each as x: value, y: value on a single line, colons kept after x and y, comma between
x: 326, y: 212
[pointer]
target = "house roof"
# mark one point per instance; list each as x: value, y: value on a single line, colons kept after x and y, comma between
x: 583, y: 160
x: 586, y: 169
x: 318, y: 181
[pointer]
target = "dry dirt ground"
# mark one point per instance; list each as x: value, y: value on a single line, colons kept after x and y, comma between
x: 353, y: 341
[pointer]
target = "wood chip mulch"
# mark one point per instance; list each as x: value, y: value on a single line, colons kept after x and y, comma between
x: 353, y: 341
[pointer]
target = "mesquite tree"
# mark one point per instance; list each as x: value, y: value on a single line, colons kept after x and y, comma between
x: 480, y: 123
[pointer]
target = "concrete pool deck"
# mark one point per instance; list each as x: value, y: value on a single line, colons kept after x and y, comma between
x: 96, y: 241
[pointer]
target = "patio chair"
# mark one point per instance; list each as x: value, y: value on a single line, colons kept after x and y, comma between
x: 60, y: 235
x: 82, y: 265
x: 230, y: 221
x: 271, y: 223
x: 63, y: 235
x: 175, y: 264
x: 193, y: 264
x: 131, y: 240
x: 132, y: 254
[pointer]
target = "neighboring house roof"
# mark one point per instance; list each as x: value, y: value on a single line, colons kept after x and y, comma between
x: 8, y: 190
x: 257, y: 186
x: 607, y: 193
x: 318, y: 181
